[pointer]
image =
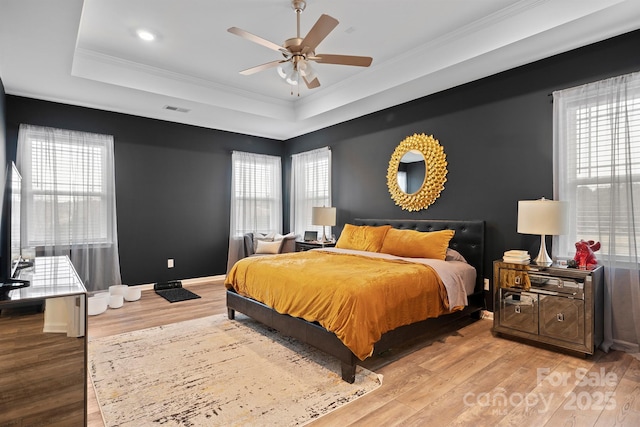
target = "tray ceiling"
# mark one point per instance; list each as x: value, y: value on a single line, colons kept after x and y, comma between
x: 87, y: 53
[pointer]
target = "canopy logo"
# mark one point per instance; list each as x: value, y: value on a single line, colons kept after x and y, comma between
x: 597, y: 393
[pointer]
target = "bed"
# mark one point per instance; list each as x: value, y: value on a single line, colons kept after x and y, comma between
x: 468, y: 241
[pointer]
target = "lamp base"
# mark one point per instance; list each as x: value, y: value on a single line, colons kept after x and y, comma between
x: 324, y: 236
x: 543, y: 257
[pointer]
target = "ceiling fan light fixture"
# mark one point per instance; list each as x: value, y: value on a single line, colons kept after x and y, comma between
x: 288, y: 73
x: 299, y: 51
x: 307, y: 70
x: 293, y: 78
x: 283, y: 69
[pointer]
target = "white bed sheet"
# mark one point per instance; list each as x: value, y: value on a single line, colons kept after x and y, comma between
x: 458, y: 277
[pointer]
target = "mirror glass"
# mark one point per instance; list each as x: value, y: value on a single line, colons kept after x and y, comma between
x: 411, y: 172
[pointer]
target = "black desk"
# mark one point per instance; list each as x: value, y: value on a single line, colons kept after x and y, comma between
x: 305, y: 246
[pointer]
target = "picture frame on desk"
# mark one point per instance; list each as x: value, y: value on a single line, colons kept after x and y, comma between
x: 310, y: 236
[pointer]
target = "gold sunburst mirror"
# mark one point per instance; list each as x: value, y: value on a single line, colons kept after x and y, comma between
x: 422, y: 156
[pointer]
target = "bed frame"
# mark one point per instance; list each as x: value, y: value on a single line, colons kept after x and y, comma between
x: 468, y: 240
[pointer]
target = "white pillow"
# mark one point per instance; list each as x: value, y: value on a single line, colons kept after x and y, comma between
x: 286, y: 236
x: 265, y: 247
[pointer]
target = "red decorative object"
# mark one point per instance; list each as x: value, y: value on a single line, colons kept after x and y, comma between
x: 584, y: 253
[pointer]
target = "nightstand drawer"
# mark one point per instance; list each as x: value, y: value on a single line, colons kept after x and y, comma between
x: 519, y: 310
x: 562, y: 318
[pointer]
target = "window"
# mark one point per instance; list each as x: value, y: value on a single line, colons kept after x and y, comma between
x: 257, y: 190
x: 69, y: 200
x: 598, y: 164
x: 256, y: 199
x: 310, y: 186
x: 597, y: 170
x: 402, y: 180
x: 67, y: 189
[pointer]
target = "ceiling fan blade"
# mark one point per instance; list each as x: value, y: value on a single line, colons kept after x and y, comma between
x: 259, y: 68
x: 358, y: 61
x: 321, y: 29
x: 311, y: 84
x: 252, y: 37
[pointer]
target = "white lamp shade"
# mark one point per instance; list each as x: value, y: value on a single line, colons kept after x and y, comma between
x: 286, y: 71
x: 307, y: 70
x: 325, y: 216
x: 545, y: 217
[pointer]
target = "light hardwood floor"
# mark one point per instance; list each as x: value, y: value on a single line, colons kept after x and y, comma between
x: 31, y: 392
x: 465, y: 376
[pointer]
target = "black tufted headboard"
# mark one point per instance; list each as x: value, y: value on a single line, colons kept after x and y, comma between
x: 468, y: 238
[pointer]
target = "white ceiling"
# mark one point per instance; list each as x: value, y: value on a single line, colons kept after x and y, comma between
x: 87, y: 53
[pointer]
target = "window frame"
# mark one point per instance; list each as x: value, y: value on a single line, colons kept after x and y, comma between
x: 39, y: 146
x: 271, y: 198
x: 588, y: 131
x: 312, y: 193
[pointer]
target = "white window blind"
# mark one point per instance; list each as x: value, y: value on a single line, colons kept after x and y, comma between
x: 310, y: 186
x: 67, y: 189
x: 257, y: 187
x: 256, y: 199
x: 598, y: 138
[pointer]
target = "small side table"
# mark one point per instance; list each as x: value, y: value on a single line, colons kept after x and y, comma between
x: 305, y: 246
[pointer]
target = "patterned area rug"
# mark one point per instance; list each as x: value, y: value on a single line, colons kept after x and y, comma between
x: 214, y: 371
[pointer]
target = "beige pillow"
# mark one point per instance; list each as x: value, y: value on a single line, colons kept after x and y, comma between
x: 417, y: 244
x: 260, y: 237
x: 265, y: 247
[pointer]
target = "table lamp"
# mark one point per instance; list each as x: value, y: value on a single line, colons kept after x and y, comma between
x: 544, y: 217
x: 324, y: 216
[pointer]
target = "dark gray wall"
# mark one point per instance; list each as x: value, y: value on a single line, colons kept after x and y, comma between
x: 496, y: 133
x: 173, y: 180
x: 172, y: 186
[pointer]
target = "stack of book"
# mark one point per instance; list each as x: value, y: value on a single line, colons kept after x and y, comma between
x: 516, y: 255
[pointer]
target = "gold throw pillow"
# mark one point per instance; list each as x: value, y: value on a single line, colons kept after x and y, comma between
x: 417, y: 244
x: 362, y: 237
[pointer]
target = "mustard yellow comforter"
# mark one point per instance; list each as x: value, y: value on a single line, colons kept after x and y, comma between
x: 356, y: 297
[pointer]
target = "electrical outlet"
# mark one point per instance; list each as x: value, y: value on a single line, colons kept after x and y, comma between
x: 170, y: 263
x: 486, y: 284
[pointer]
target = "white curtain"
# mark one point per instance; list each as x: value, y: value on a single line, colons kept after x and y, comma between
x: 256, y: 199
x: 597, y: 170
x: 310, y: 186
x: 69, y: 208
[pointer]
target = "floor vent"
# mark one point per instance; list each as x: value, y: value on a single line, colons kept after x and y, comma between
x: 178, y: 109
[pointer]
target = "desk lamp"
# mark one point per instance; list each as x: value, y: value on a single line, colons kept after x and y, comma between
x: 324, y: 216
x: 544, y: 217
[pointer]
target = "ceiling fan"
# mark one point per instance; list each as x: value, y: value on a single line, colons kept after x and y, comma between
x: 298, y: 53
